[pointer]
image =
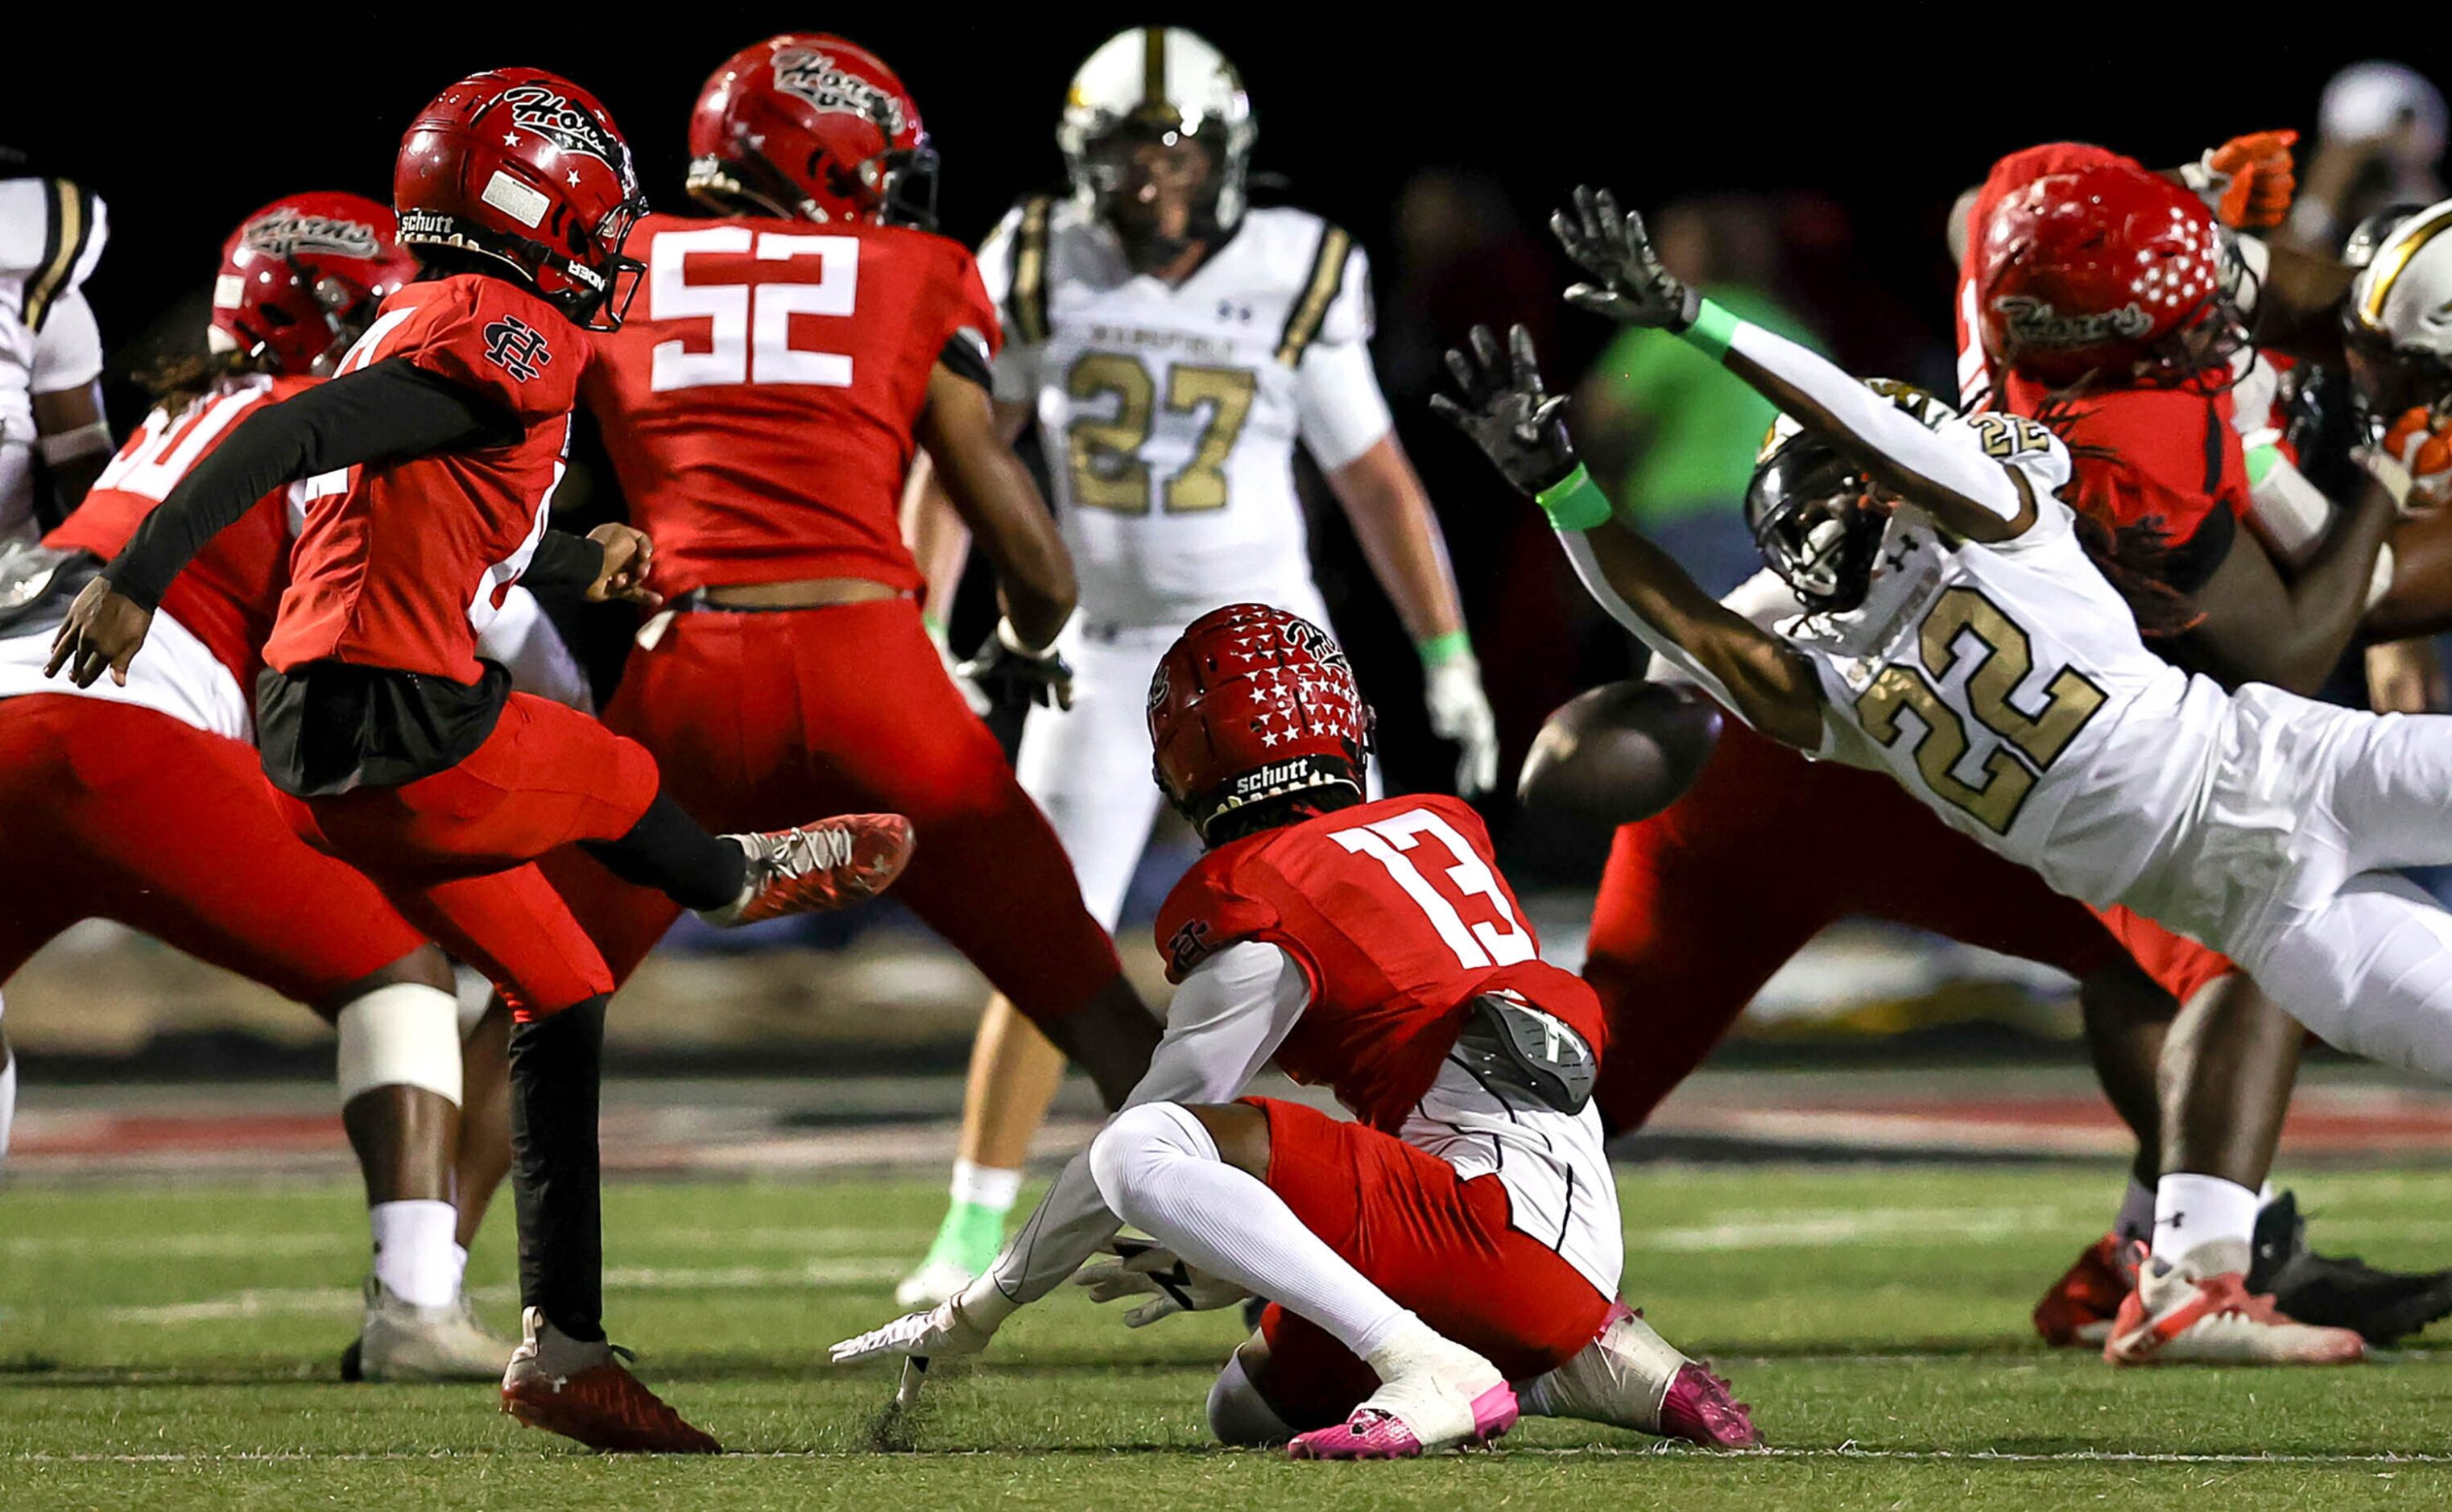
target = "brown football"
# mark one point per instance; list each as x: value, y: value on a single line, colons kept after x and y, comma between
x: 1619, y: 753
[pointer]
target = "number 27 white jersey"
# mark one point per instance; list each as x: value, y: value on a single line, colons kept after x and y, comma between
x: 1169, y: 412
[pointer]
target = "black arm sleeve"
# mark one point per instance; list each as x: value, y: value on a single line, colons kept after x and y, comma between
x: 564, y: 560
x: 387, y: 410
x: 965, y: 355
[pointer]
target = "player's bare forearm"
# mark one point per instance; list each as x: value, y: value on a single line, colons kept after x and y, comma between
x: 2257, y: 629
x: 1771, y: 686
x: 939, y: 543
x: 1390, y: 512
x: 75, y: 444
x: 993, y: 495
x: 2298, y: 310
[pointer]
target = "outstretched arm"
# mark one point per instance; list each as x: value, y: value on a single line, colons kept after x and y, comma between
x: 1744, y: 666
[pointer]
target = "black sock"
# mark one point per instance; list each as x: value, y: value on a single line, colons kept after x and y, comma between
x: 556, y: 1065
x: 668, y: 852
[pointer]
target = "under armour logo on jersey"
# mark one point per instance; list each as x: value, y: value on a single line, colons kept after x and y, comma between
x: 517, y: 347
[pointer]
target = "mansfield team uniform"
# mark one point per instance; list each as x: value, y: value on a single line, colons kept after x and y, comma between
x: 52, y: 235
x: 1169, y: 414
x: 759, y: 404
x: 142, y: 802
x: 1351, y: 948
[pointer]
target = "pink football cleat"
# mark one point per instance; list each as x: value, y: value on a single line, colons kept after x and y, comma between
x: 1443, y: 1398
x: 1700, y: 1408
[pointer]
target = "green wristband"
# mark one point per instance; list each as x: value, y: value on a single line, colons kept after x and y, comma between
x: 1712, y: 330
x: 929, y: 622
x: 1575, y: 502
x: 1441, y: 650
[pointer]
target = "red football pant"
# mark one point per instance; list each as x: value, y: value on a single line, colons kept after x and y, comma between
x: 454, y: 851
x: 1704, y: 901
x: 761, y: 721
x: 1433, y: 1241
x: 113, y: 811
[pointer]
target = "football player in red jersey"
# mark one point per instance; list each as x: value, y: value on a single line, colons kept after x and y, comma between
x: 1464, y: 1233
x: 794, y: 350
x: 140, y: 800
x: 432, y: 460
x: 2110, y: 302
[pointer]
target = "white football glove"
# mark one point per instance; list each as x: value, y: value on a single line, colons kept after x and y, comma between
x: 1459, y: 711
x: 959, y: 1327
x: 1144, y: 1269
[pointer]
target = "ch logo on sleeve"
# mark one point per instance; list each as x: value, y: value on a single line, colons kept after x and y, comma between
x: 517, y: 347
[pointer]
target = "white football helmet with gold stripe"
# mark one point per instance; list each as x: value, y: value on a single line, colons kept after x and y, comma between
x: 2400, y: 310
x: 1163, y: 83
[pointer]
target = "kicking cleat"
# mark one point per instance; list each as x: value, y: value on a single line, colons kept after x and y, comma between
x: 2080, y: 1307
x: 1443, y: 1397
x: 2203, y: 1313
x: 2340, y: 1291
x: 818, y: 868
x: 403, y: 1342
x: 1630, y: 1376
x: 581, y: 1391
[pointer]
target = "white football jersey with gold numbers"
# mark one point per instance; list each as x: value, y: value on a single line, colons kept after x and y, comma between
x: 1170, y: 412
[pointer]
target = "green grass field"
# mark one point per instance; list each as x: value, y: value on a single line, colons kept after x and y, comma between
x: 174, y: 1346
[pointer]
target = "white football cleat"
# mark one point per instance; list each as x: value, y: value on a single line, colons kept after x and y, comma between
x: 1630, y: 1376
x: 2198, y: 1310
x: 403, y: 1342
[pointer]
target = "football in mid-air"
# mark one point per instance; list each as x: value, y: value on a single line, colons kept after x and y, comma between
x: 1619, y: 753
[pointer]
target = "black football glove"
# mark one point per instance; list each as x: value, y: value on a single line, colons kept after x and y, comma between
x: 1014, y: 676
x: 1506, y: 412
x: 1628, y: 283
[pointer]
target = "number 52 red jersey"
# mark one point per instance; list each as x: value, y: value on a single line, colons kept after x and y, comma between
x: 1397, y: 914
x: 759, y: 400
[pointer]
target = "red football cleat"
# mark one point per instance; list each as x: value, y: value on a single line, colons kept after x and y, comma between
x: 820, y: 867
x: 580, y: 1392
x: 2175, y: 1317
x: 2080, y: 1307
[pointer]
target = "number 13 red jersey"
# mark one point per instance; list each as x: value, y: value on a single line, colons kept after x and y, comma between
x: 1399, y: 917
x: 759, y: 402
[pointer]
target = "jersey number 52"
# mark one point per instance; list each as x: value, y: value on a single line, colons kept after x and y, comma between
x: 749, y: 324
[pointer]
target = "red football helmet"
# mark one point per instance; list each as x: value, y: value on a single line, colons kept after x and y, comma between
x: 300, y: 278
x: 525, y: 168
x: 2108, y: 272
x: 1250, y: 704
x: 812, y: 127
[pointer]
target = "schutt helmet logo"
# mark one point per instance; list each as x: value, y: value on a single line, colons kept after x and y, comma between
x: 2035, y: 321
x: 285, y: 232
x: 817, y: 78
x: 536, y: 109
x: 517, y: 347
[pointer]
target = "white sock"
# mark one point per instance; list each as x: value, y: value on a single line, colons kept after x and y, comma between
x: 458, y: 1265
x: 1159, y: 1169
x: 413, y: 1250
x: 2136, y: 1218
x: 7, y: 1102
x: 2192, y: 1211
x: 985, y: 1187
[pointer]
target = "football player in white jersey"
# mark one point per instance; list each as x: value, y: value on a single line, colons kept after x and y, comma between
x: 1958, y: 637
x: 1172, y: 345
x: 52, y: 235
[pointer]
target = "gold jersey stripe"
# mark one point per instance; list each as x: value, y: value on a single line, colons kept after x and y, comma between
x: 1327, y: 276
x: 1028, y: 301
x: 63, y: 246
x: 2389, y: 267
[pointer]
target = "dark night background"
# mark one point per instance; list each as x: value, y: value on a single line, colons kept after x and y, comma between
x: 1865, y: 126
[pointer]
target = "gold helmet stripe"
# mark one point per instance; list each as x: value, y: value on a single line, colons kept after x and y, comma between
x: 1153, y: 67
x: 2388, y: 266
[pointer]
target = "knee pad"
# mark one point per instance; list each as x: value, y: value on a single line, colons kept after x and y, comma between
x: 401, y: 1035
x: 1238, y: 1415
x: 1136, y: 1142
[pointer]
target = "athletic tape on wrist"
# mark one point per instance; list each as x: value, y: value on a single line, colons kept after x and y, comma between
x: 68, y: 445
x: 1575, y: 502
x: 401, y: 1035
x: 1441, y: 649
x: 1712, y: 330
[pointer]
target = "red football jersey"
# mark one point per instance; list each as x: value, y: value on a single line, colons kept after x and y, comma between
x: 229, y: 594
x: 759, y: 402
x: 2168, y: 455
x: 1399, y: 917
x: 400, y: 564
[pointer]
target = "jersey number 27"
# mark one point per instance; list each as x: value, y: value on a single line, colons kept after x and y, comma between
x: 1394, y: 844
x: 749, y: 324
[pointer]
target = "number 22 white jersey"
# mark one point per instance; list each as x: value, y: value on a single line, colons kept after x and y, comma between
x: 2007, y: 686
x: 1169, y: 412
